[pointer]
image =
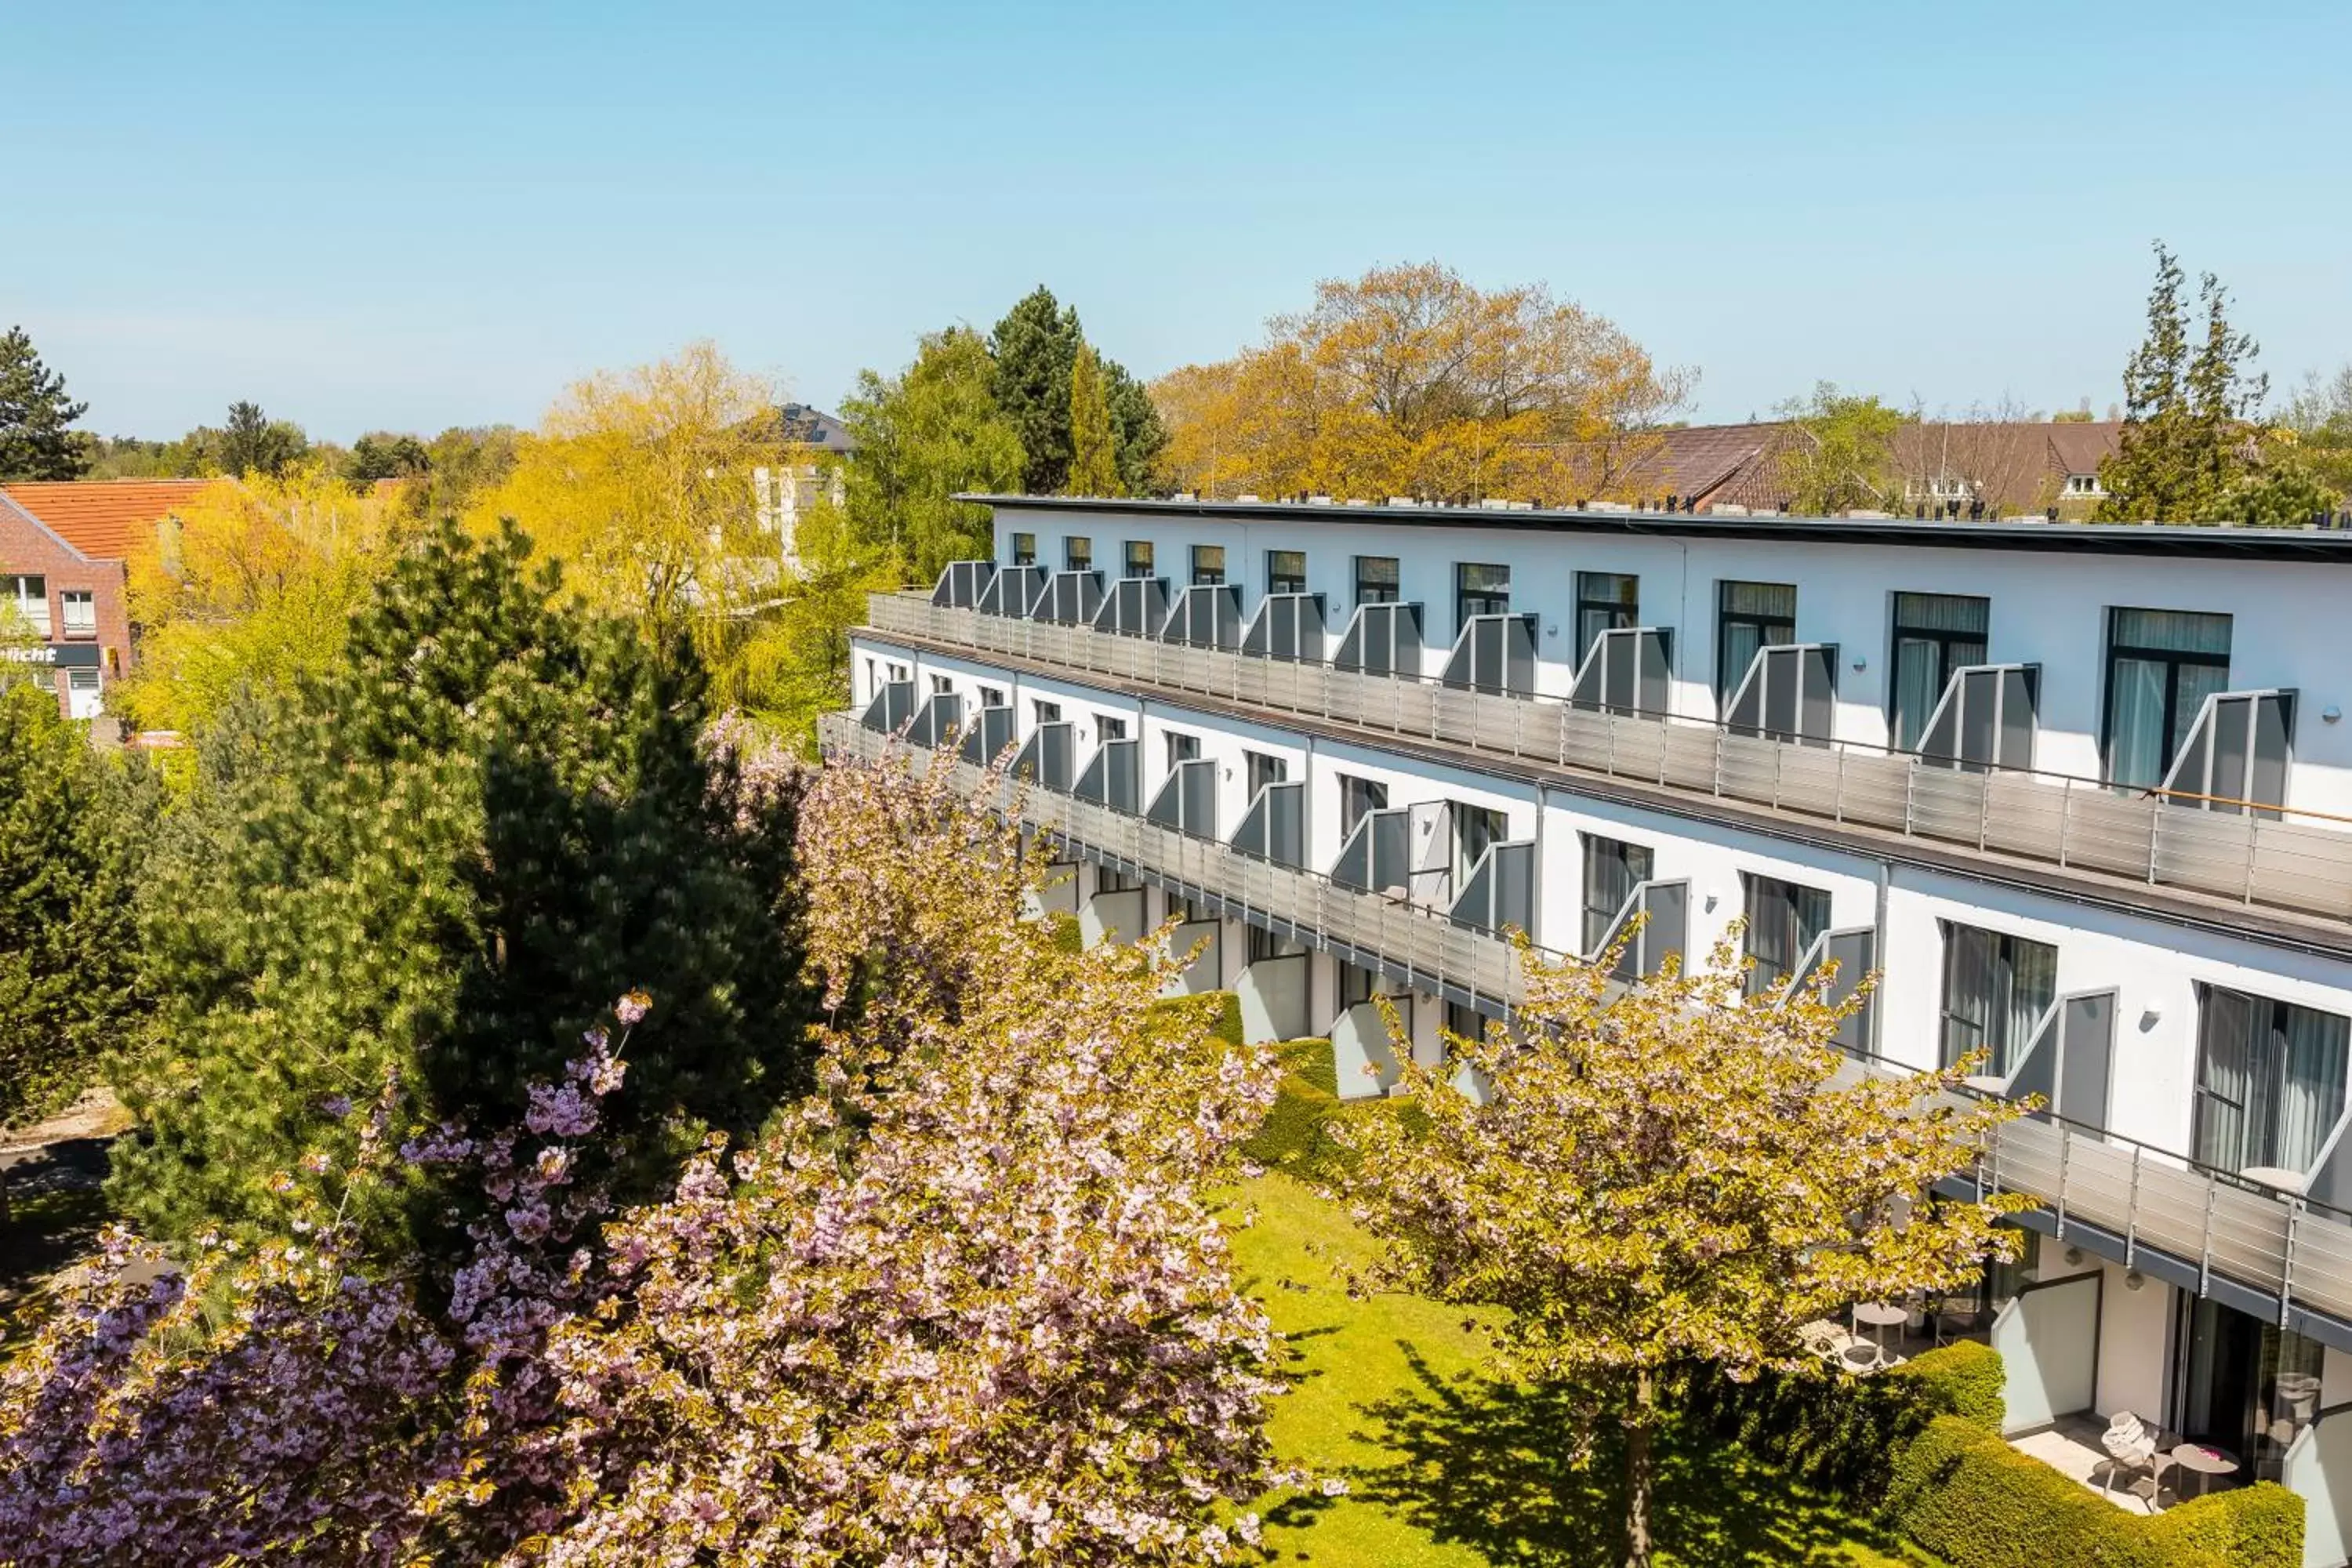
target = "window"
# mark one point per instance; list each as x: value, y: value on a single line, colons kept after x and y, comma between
x: 1138, y: 558
x: 2082, y: 484
x: 1111, y: 727
x: 1263, y: 945
x: 1605, y: 602
x: 1479, y: 590
x: 1182, y: 912
x: 29, y: 598
x: 1208, y: 564
x: 1182, y: 749
x: 992, y: 697
x: 1749, y: 616
x: 1261, y: 770
x: 1357, y: 986
x: 82, y: 699
x: 1024, y: 550
x: 1376, y: 580
x: 1613, y: 870
x: 1286, y: 570
x: 1048, y: 712
x: 1934, y: 634
x: 1111, y: 879
x: 2161, y: 666
x: 2270, y: 1081
x: 1465, y: 1021
x: 1476, y: 828
x: 898, y: 672
x: 1358, y: 798
x: 1996, y: 988
x: 80, y: 611
x: 1784, y: 918
x: 1078, y: 554
x: 941, y: 685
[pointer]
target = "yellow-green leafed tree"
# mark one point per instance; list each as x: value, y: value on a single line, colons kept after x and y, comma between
x: 640, y: 485
x: 1665, y: 1179
x: 252, y: 584
x: 1411, y: 381
x: 1094, y: 454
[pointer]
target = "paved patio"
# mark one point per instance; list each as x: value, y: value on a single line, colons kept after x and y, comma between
x: 2073, y: 1447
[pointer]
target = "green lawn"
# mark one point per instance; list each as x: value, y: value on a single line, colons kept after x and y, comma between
x: 1445, y: 1467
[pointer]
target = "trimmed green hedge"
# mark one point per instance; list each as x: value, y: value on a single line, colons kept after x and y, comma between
x: 1965, y: 1495
x: 1842, y: 1432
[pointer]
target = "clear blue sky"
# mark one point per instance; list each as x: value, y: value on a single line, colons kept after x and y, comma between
x: 431, y: 214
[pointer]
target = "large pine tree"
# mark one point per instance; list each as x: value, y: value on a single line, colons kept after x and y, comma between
x: 36, y: 436
x: 441, y: 861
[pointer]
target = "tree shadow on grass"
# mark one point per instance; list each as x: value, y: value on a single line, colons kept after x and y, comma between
x: 1486, y: 1465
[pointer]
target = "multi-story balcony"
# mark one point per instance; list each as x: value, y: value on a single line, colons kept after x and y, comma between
x: 2280, y: 1248
x: 1963, y: 796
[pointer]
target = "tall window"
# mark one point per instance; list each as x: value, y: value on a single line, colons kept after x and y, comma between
x: 1605, y: 602
x: 1078, y: 554
x: 1208, y: 563
x: 1358, y: 798
x: 27, y: 599
x: 1111, y: 727
x: 1357, y: 986
x: 1377, y: 580
x: 1749, y: 616
x: 1263, y: 946
x: 992, y: 697
x: 1934, y: 634
x: 2270, y: 1081
x: 1612, y: 869
x: 1260, y: 770
x: 1784, y: 918
x: 2161, y: 666
x: 1138, y: 558
x: 1024, y: 550
x: 1049, y: 712
x: 1111, y: 880
x: 1476, y: 828
x: 1286, y: 570
x: 1996, y: 988
x: 80, y: 609
x: 1183, y: 748
x: 1479, y: 590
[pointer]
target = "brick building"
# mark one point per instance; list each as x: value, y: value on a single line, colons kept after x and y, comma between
x: 62, y: 548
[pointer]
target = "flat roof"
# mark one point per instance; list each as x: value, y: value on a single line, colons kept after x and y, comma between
x: 2229, y: 541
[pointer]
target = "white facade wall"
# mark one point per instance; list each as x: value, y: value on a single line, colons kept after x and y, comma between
x: 2047, y: 607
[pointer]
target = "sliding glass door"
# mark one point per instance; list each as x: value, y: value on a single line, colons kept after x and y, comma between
x: 1934, y: 634
x: 2270, y: 1081
x: 2161, y: 666
x: 1996, y: 988
x: 1612, y: 869
x: 1750, y: 617
x: 2244, y: 1386
x: 1784, y: 918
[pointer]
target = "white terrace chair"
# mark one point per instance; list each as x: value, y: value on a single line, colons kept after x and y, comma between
x: 2133, y: 1445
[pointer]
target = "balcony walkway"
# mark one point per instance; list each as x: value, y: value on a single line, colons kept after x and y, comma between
x: 2292, y: 884
x: 2279, y: 1258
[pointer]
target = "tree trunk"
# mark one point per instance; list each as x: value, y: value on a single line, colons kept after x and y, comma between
x: 1638, y: 1473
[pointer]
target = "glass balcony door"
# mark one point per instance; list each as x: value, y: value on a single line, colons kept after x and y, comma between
x: 2161, y: 666
x: 1935, y: 635
x: 2270, y: 1081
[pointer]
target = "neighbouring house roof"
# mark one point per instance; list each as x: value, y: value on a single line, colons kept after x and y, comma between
x: 2080, y: 445
x: 103, y: 518
x: 813, y: 428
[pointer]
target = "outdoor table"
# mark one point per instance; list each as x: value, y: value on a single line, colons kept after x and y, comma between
x: 2203, y: 1462
x: 2275, y: 1176
x: 1881, y: 1317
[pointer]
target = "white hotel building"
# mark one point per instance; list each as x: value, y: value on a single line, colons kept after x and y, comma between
x: 2081, y: 794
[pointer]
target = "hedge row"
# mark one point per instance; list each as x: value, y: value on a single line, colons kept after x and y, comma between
x: 1970, y: 1499
x: 1842, y: 1432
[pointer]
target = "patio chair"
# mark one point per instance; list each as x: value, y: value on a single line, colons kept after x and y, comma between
x: 2133, y: 1445
x: 1955, y: 1318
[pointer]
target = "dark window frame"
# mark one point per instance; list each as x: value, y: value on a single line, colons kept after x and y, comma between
x: 1488, y: 601
x: 1137, y: 558
x: 1371, y: 592
x: 1947, y: 641
x: 1023, y: 549
x: 1596, y: 613
x: 1634, y: 864
x: 1280, y: 577
x: 1794, y: 899
x: 1205, y: 576
x: 1727, y: 681
x: 2174, y: 660
x: 1078, y: 553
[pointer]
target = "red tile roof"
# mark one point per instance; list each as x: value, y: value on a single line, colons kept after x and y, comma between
x: 104, y: 518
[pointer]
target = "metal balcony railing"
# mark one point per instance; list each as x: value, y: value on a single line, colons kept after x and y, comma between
x: 2056, y: 819
x: 2276, y: 1247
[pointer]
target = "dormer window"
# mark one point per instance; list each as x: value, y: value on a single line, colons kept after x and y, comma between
x: 2084, y: 485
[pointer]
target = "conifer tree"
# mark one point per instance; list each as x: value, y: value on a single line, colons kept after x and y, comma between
x: 2188, y: 451
x: 36, y: 441
x: 439, y: 860
x: 69, y: 830
x: 1093, y: 466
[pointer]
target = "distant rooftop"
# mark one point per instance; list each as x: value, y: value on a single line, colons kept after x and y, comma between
x: 813, y: 428
x: 103, y: 518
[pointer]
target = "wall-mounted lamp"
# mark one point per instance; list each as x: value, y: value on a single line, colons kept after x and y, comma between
x: 2150, y: 1015
x: 1552, y: 630
x: 2331, y: 714
x: 1860, y: 663
x: 2135, y: 1279
x: 1712, y: 897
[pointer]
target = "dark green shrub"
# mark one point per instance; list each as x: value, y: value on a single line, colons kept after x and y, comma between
x: 1842, y: 1432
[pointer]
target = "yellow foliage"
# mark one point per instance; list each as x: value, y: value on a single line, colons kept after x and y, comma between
x: 1411, y: 381
x: 253, y: 584
x: 640, y: 485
